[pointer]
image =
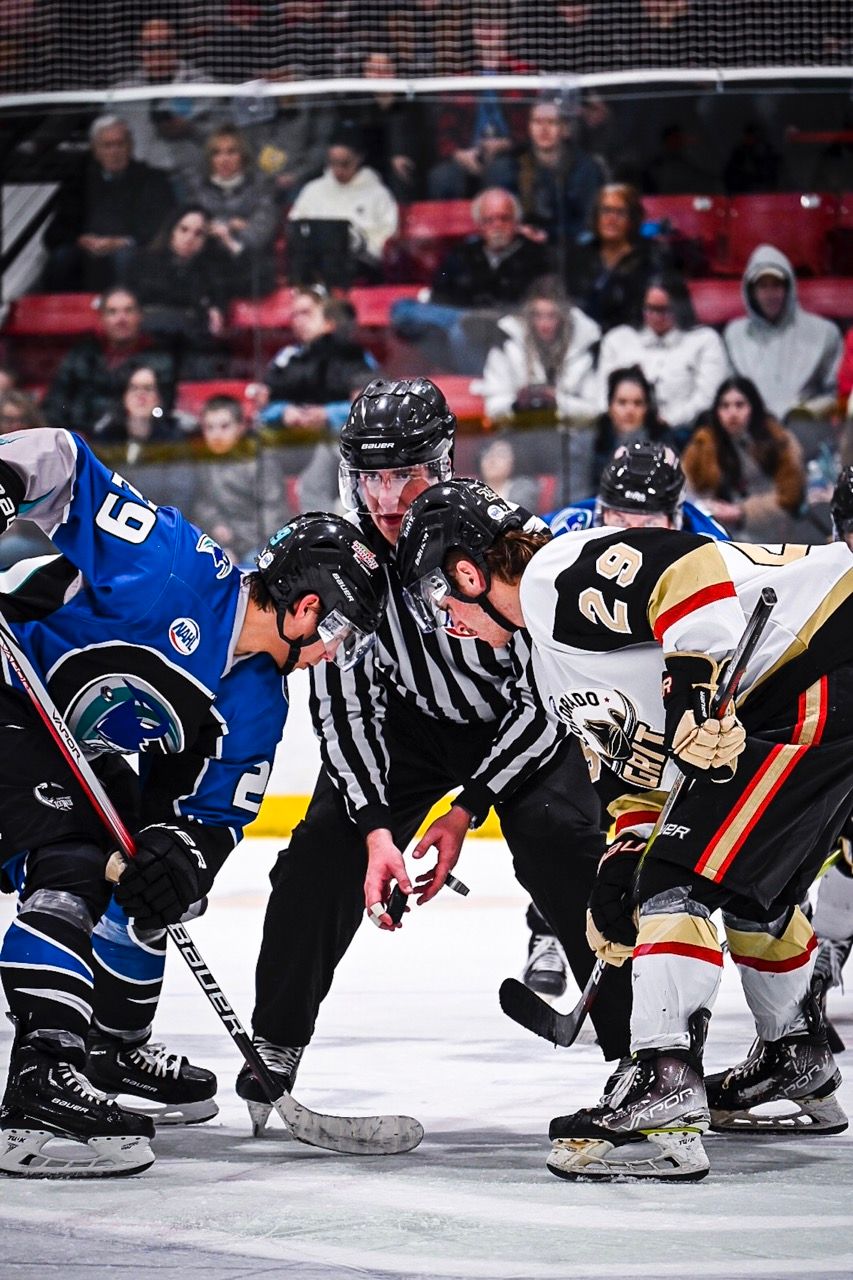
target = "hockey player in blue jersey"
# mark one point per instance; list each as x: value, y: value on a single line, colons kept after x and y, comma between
x: 149, y: 641
x: 641, y: 487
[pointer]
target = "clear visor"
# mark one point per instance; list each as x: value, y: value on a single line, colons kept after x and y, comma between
x: 607, y: 515
x: 427, y: 600
x: 344, y: 642
x: 369, y: 490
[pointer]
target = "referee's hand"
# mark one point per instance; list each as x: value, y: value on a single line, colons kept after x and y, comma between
x: 445, y: 835
x: 384, y: 866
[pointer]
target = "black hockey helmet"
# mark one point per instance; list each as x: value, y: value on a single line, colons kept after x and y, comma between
x: 324, y: 554
x: 393, y: 426
x: 841, y: 506
x: 642, y: 477
x: 459, y: 515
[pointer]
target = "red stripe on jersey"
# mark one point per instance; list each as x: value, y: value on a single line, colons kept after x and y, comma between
x: 709, y: 954
x: 776, y: 966
x: 796, y: 756
x: 636, y: 818
x: 667, y: 619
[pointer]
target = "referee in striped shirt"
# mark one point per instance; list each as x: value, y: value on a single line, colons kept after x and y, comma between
x: 422, y: 715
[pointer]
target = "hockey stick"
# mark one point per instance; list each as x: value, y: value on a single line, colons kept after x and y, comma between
x: 525, y: 1006
x: 353, y: 1135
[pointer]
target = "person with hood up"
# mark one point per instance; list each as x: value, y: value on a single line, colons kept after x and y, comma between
x: 547, y: 358
x: 790, y: 354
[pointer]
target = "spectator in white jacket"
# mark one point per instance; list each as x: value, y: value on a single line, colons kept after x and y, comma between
x: 790, y: 354
x: 547, y: 359
x: 350, y: 191
x: 683, y: 361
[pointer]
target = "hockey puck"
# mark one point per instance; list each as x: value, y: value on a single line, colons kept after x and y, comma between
x: 396, y: 904
x: 457, y: 886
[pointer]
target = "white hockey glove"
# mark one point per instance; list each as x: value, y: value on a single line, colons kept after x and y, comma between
x: 701, y: 745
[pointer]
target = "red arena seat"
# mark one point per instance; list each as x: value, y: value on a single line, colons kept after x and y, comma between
x: 192, y: 396
x: 701, y: 219
x: 716, y: 301
x: 373, y: 304
x: 467, y: 406
x: 52, y: 315
x: 797, y: 224
x: 272, y: 312
x: 428, y: 229
x: 830, y: 296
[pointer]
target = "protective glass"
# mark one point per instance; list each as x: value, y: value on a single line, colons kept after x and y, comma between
x: 364, y: 488
x: 344, y: 642
x: 427, y: 601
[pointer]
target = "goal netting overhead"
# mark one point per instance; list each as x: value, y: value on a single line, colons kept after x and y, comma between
x: 56, y: 46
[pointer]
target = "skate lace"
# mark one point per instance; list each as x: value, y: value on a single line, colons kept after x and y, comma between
x: 753, y: 1064
x: 156, y: 1059
x: 831, y: 955
x: 79, y: 1084
x: 546, y: 954
x: 276, y: 1057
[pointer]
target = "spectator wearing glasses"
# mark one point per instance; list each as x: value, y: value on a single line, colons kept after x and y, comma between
x: 608, y: 275
x: 685, y: 362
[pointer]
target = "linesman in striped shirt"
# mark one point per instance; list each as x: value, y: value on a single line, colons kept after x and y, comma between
x: 423, y: 715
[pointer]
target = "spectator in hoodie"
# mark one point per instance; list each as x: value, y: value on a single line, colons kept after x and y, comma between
x: 546, y: 360
x: 790, y: 354
x: 684, y: 361
x: 351, y: 191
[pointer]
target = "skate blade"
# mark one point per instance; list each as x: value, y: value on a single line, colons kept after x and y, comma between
x: 672, y: 1156
x: 817, y: 1117
x: 259, y: 1114
x: 167, y: 1113
x: 22, y: 1155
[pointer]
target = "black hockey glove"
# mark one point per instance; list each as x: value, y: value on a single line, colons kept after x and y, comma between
x: 701, y: 745
x: 164, y: 879
x: 12, y: 490
x: 611, y: 903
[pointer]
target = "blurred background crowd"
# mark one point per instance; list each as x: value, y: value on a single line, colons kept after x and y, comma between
x: 221, y: 220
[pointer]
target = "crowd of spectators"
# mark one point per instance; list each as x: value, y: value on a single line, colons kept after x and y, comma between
x: 564, y: 306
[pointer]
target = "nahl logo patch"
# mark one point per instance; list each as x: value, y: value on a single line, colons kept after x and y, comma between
x: 52, y: 795
x: 184, y: 635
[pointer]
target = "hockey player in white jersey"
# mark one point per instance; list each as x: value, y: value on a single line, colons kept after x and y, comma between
x: 149, y: 641
x: 630, y: 630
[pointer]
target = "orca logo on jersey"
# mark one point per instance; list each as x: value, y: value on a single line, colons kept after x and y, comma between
x: 52, y: 794
x: 123, y: 713
x: 184, y: 635
x: 608, y: 724
x: 221, y: 562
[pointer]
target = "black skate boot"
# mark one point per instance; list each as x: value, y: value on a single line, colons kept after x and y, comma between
x: 46, y: 1100
x: 151, y: 1081
x: 282, y: 1063
x: 798, y: 1069
x: 545, y: 971
x: 649, y: 1123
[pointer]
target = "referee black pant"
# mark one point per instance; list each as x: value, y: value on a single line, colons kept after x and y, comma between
x: 552, y: 827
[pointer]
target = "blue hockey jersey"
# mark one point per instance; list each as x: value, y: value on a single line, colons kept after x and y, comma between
x: 132, y: 619
x: 579, y: 515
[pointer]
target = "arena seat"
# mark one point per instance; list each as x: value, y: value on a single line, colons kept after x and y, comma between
x: 428, y: 229
x: 700, y: 218
x: 192, y: 396
x: 797, y: 224
x: 715, y: 301
x: 272, y: 312
x: 50, y: 315
x: 467, y: 406
x: 830, y: 296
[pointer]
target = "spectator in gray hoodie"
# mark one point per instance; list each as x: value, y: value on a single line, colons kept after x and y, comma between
x: 790, y: 354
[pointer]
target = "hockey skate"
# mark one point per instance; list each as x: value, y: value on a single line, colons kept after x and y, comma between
x: 150, y: 1081
x: 54, y: 1125
x: 798, y: 1069
x: 282, y: 1063
x: 648, y: 1124
x: 545, y: 971
x: 832, y: 955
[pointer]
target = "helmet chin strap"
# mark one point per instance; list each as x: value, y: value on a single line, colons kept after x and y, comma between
x: 295, y: 646
x: 494, y: 613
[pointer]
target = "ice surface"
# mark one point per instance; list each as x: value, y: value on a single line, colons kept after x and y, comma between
x: 412, y: 1024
